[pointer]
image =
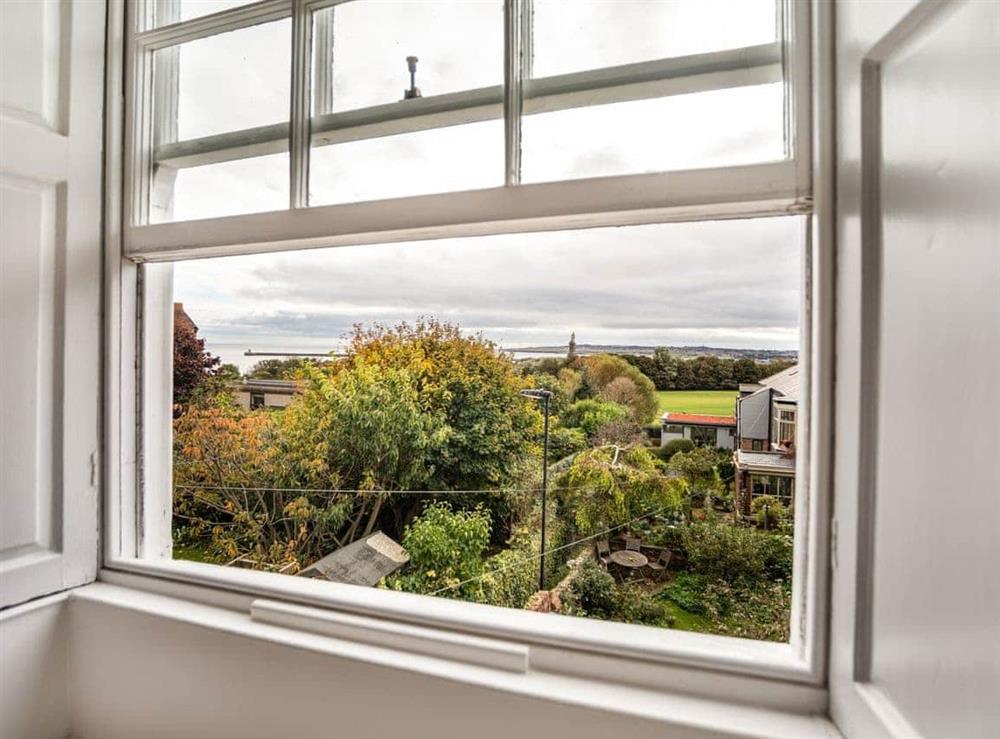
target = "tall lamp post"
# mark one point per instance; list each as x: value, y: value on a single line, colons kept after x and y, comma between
x: 545, y: 396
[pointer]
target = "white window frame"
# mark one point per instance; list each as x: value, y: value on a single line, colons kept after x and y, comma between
x: 137, y: 422
x: 779, y: 423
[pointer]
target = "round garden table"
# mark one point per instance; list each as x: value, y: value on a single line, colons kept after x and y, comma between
x: 629, y: 558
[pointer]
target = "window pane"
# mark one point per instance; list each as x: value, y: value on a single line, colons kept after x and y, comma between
x: 437, y: 160
x: 652, y: 118
x: 590, y: 34
x: 386, y: 152
x: 234, y: 84
x: 231, y: 188
x: 227, y: 82
x: 459, y: 46
x: 377, y: 433
x: 741, y: 125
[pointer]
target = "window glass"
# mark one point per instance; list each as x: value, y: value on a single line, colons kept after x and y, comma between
x: 393, y: 151
x: 742, y: 125
x: 231, y: 188
x: 227, y: 82
x: 437, y: 160
x: 235, y: 84
x: 393, y: 445
x: 571, y: 36
x: 721, y: 116
x: 704, y: 436
x: 458, y: 46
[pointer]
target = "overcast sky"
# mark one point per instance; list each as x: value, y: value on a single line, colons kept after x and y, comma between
x: 726, y: 284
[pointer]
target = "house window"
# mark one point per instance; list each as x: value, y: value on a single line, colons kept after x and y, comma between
x: 781, y: 487
x: 497, y: 171
x: 704, y: 435
x: 256, y: 400
x: 784, y: 426
x: 673, y: 428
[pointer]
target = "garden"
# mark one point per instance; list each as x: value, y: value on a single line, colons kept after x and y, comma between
x: 422, y: 433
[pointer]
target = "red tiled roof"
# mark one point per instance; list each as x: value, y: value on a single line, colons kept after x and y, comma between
x: 699, y: 420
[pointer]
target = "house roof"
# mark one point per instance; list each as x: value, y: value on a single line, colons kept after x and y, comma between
x: 280, y: 387
x: 694, y: 419
x: 785, y: 382
x: 363, y: 562
x: 761, y: 460
x: 182, y: 319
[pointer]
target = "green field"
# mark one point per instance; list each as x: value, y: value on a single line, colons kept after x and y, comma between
x: 708, y: 402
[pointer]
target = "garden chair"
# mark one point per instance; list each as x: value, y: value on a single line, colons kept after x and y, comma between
x: 603, y: 552
x: 632, y: 543
x: 659, y: 566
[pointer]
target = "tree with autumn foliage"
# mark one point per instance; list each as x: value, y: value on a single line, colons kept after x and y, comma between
x: 231, y: 491
x: 193, y: 364
x: 411, y: 407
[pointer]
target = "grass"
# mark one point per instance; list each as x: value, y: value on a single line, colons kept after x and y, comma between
x: 687, y: 621
x: 193, y: 553
x: 707, y: 402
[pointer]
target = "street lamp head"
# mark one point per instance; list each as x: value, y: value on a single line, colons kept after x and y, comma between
x: 537, y: 394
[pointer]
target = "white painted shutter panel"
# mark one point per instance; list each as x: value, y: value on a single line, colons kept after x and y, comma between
x: 915, y: 646
x: 51, y: 109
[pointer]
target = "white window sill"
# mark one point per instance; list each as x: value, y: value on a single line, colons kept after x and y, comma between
x: 520, y: 644
x: 673, y: 709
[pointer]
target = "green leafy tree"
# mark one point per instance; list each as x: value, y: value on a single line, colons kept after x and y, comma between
x: 560, y: 399
x: 284, y: 369
x: 589, y: 415
x: 612, y: 378
x: 664, y: 372
x: 610, y: 485
x: 697, y: 465
x: 474, y: 391
x: 363, y: 428
x: 566, y: 441
x: 446, y: 548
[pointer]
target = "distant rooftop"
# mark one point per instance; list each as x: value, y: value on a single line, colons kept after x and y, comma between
x: 695, y: 419
x: 287, y: 387
x: 774, y: 460
x: 785, y: 382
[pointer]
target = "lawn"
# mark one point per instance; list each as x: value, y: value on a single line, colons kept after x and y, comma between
x: 708, y: 402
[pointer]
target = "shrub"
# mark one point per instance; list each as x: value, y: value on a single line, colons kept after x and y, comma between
x: 445, y: 547
x: 593, y: 591
x: 687, y: 591
x: 674, y: 446
x: 749, y: 610
x: 566, y: 441
x: 633, y: 605
x: 767, y: 511
x: 590, y: 414
x: 603, y: 374
x: 510, y: 579
x: 776, y: 551
x: 735, y: 553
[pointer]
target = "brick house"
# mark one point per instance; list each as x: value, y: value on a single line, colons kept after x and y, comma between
x: 766, y: 422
